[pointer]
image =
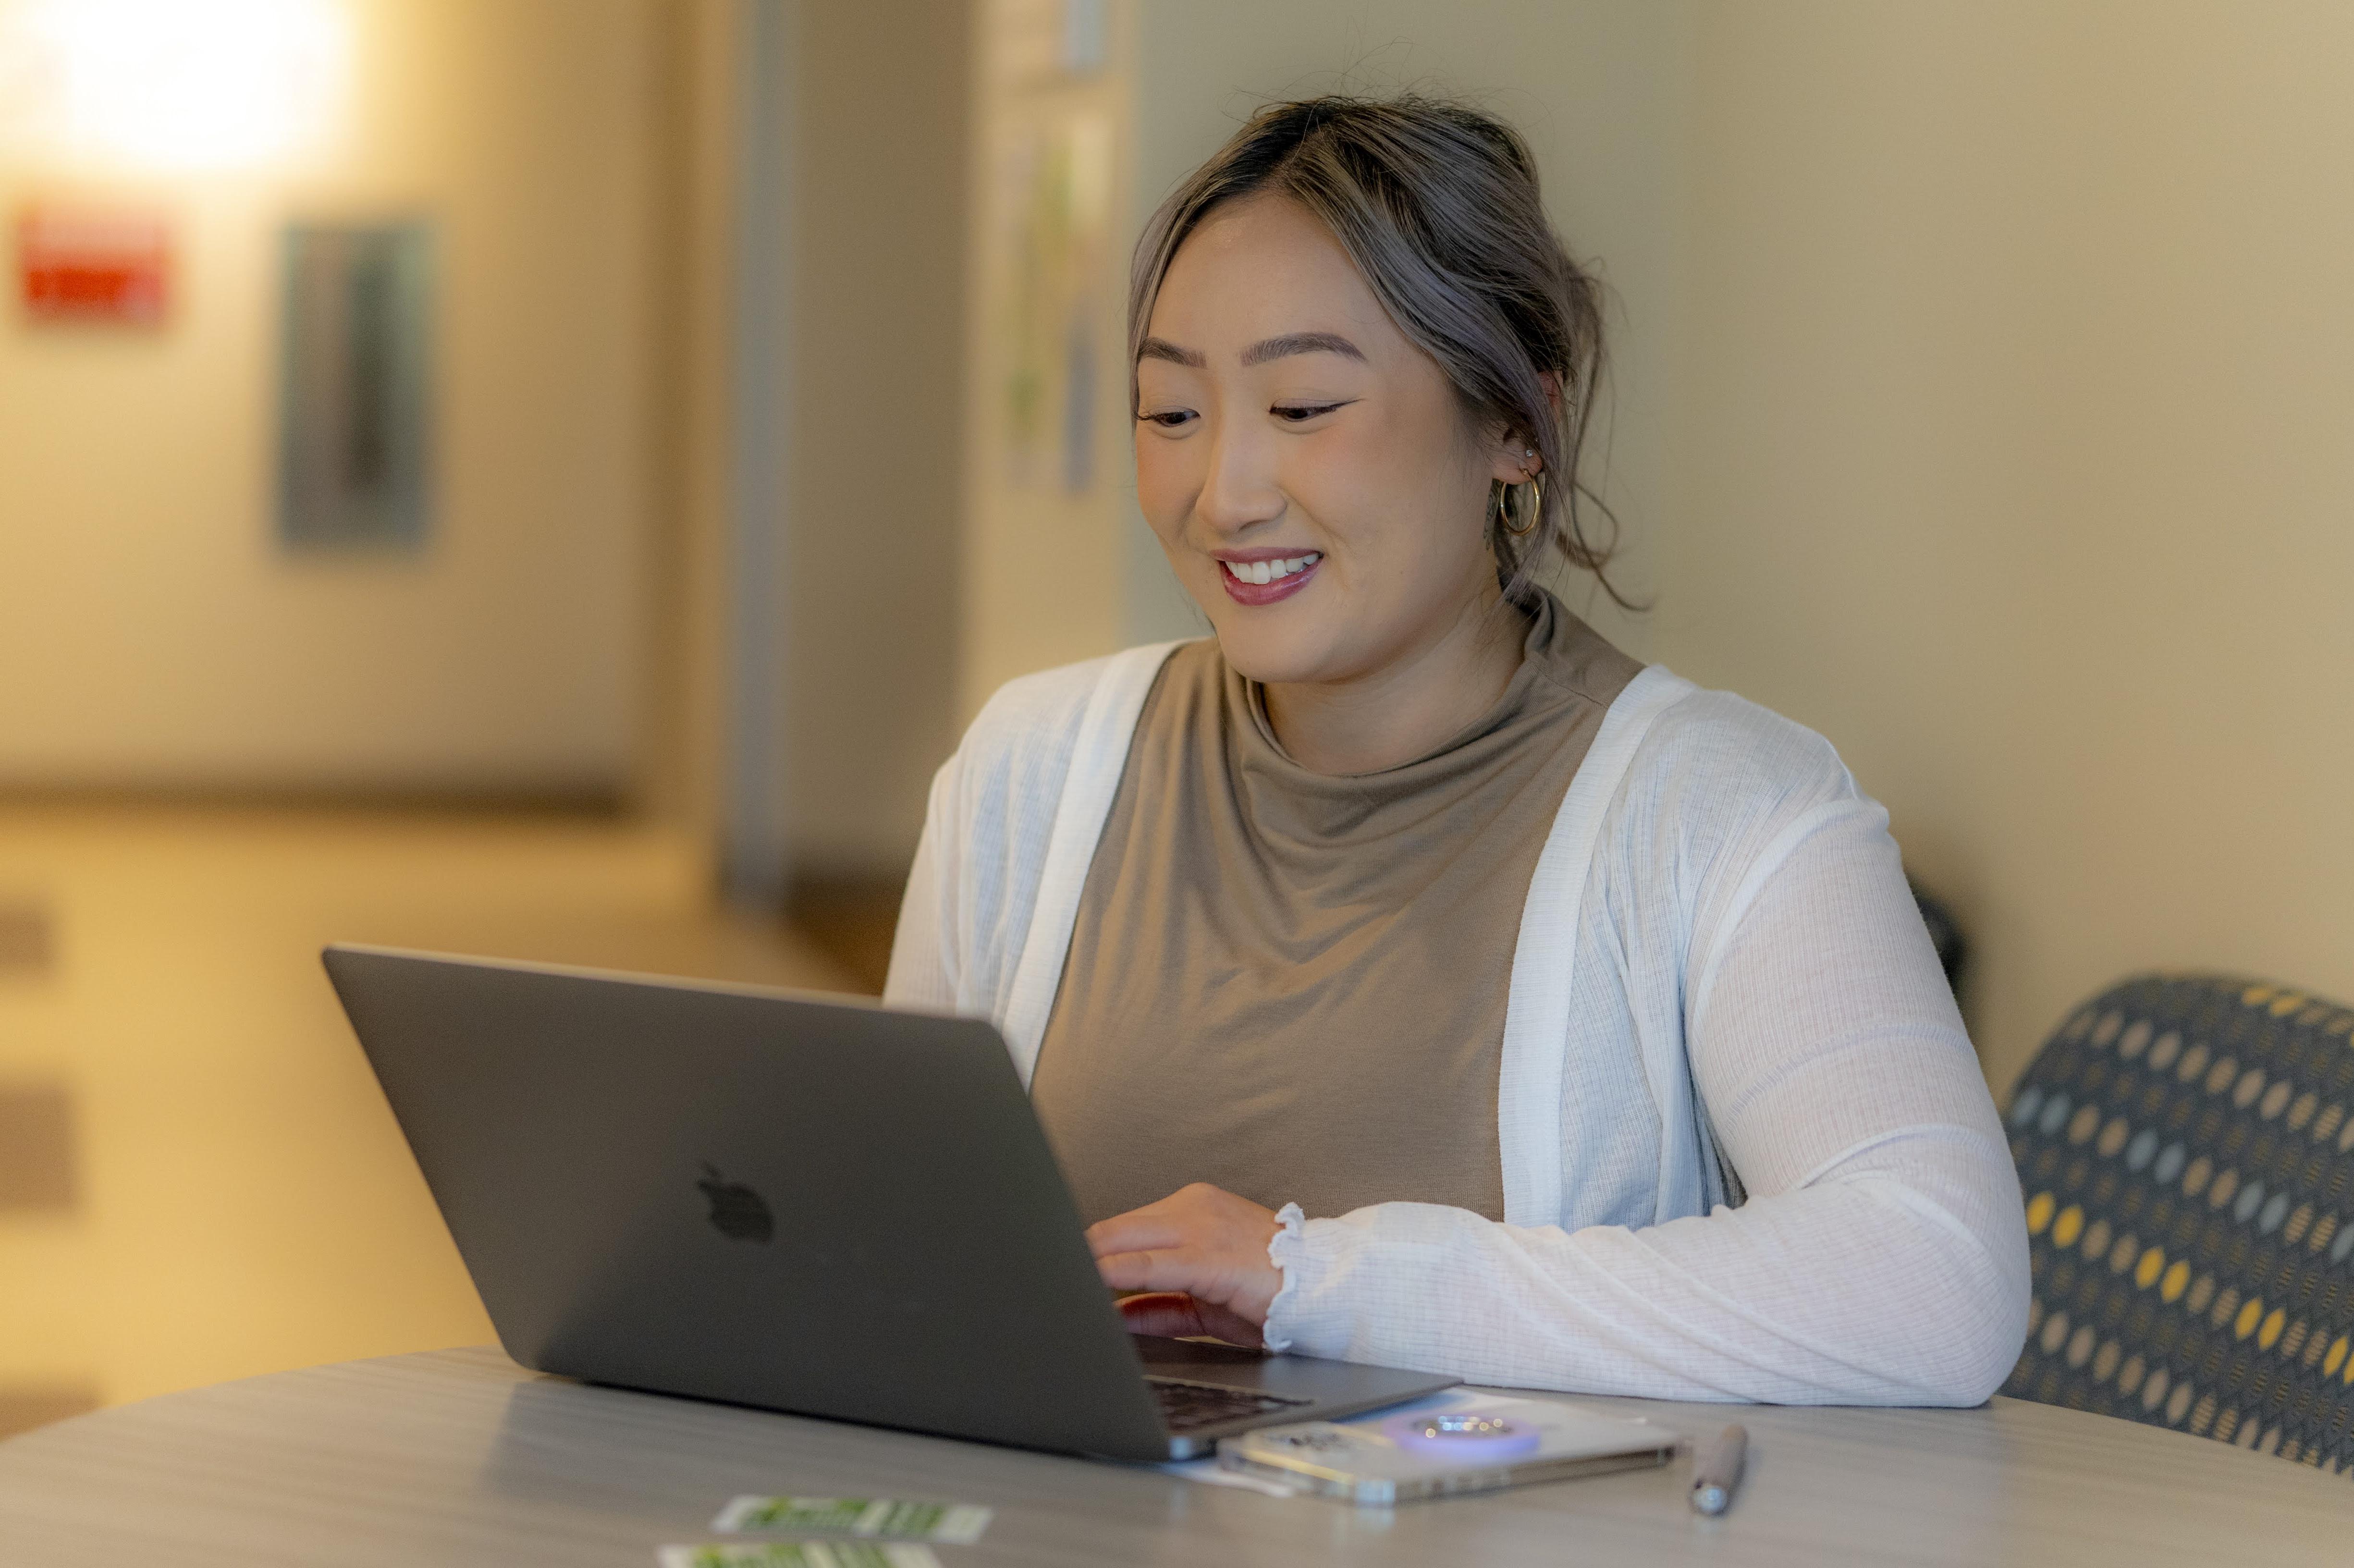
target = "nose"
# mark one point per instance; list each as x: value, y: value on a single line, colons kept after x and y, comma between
x: 1240, y: 491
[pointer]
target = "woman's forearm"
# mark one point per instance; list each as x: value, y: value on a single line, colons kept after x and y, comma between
x: 1888, y: 1281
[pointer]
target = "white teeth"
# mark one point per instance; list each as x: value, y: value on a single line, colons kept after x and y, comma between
x: 1271, y: 571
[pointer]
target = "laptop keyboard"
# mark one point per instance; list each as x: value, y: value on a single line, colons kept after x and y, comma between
x: 1189, y: 1407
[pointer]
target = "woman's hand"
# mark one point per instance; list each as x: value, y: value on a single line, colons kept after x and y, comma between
x: 1201, y: 1253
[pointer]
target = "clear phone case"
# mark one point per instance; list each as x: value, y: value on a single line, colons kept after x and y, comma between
x: 1371, y: 1466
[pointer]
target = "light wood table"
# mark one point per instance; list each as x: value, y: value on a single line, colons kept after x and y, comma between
x: 461, y: 1458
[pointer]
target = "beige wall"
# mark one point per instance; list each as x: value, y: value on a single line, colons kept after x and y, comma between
x: 682, y: 703
x: 2021, y: 364
x: 878, y: 357
x: 563, y: 631
x: 149, y: 632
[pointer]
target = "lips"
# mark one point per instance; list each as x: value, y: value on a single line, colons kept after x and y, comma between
x: 1295, y: 568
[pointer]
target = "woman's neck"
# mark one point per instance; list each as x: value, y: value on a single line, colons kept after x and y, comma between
x: 1408, y: 706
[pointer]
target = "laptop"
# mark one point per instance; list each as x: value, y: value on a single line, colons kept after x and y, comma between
x: 805, y: 1203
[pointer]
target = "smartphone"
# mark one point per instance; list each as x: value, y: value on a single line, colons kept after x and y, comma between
x: 1446, y: 1454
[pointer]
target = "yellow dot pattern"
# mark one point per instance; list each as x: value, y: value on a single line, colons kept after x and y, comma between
x: 2186, y: 1153
x: 2245, y: 1324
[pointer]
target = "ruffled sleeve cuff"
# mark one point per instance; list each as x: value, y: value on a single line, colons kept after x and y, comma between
x: 1287, y: 1249
x: 1343, y: 1277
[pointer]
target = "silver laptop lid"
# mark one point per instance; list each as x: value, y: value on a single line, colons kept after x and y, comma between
x: 737, y: 1193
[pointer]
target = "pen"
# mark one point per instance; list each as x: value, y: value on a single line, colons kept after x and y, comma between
x: 1716, y: 1470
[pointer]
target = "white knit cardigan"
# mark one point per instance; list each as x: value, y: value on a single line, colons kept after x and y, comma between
x: 1719, y: 968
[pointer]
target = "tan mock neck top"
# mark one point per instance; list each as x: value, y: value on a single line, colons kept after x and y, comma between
x: 1292, y: 984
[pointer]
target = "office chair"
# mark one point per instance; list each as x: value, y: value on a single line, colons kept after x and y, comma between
x: 2185, y: 1146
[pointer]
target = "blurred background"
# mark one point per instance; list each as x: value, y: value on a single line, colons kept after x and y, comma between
x: 552, y: 477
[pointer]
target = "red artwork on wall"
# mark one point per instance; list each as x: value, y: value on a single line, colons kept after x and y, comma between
x: 91, y: 265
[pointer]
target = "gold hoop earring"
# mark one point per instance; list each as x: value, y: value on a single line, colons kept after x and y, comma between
x: 1534, y: 514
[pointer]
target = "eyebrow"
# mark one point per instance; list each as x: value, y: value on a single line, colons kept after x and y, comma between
x: 1289, y: 342
x: 1301, y: 343
x: 1161, y: 348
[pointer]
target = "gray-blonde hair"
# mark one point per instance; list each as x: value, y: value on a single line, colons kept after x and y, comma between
x: 1437, y: 205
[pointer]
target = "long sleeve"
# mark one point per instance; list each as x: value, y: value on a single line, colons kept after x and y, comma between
x: 1881, y: 1257
x: 924, y: 957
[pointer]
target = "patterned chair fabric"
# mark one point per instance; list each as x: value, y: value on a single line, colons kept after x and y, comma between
x: 2186, y: 1148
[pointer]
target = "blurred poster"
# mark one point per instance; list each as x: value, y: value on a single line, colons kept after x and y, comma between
x: 1055, y: 299
x: 355, y: 356
x: 76, y: 264
x: 1047, y: 454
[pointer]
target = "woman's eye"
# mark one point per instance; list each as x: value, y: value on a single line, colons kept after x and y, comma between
x: 1174, y: 418
x: 1294, y: 413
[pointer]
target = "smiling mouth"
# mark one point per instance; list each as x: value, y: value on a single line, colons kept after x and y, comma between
x: 1264, y: 572
x: 1267, y: 580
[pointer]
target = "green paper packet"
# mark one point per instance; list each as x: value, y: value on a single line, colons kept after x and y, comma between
x: 798, y: 1555
x: 883, y: 1519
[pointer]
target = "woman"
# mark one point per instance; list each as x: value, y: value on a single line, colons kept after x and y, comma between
x: 1404, y: 974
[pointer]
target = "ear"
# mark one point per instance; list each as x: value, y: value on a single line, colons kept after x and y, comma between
x: 1512, y: 458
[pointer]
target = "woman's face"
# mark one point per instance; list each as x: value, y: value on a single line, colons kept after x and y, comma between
x: 1288, y: 430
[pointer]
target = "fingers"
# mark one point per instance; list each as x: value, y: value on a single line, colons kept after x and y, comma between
x: 1200, y: 1241
x: 1136, y: 1231
x: 1173, y: 1270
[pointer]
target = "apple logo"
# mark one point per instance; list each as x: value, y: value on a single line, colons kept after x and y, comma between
x: 738, y: 1212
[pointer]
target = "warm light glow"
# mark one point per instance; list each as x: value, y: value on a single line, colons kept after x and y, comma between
x: 171, y: 83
